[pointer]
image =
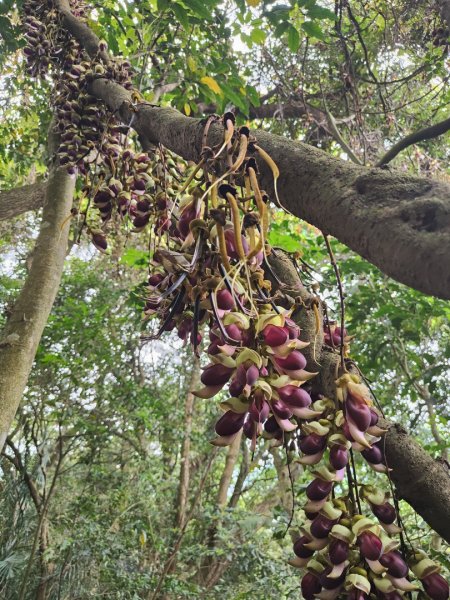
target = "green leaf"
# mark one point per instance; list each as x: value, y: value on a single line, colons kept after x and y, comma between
x: 253, y: 95
x: 293, y: 39
x: 258, y: 36
x: 198, y: 8
x: 281, y: 28
x: 234, y: 97
x: 182, y: 15
x: 285, y: 241
x: 319, y: 12
x: 313, y: 30
x: 134, y: 258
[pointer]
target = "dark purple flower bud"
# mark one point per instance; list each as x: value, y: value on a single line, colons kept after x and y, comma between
x: 170, y: 325
x: 436, y: 587
x: 249, y: 428
x: 216, y: 375
x: 373, y: 455
x: 310, y: 586
x: 155, y: 279
x: 199, y: 338
x: 359, y: 412
x: 239, y: 381
x: 143, y: 206
x: 214, y: 349
x: 299, y: 547
x: 275, y: 336
x: 185, y: 329
x: 294, y: 360
x: 229, y: 423
x: 141, y: 221
x: 338, y: 330
x: 338, y: 456
x: 102, y: 196
x: 231, y: 243
x: 370, y: 545
x: 294, y: 396
x: 271, y: 425
x: 318, y: 489
x: 225, y: 300
x: 346, y: 432
x: 188, y: 215
x: 385, y: 513
x: 293, y: 329
x: 139, y: 185
x: 312, y: 443
x: 99, y: 241
x: 338, y: 551
x: 321, y: 526
x: 281, y: 410
x: 394, y: 563
x: 311, y: 515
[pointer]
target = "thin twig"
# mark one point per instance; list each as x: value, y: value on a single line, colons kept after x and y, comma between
x: 427, y: 133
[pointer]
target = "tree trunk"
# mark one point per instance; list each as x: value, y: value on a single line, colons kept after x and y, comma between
x: 183, y: 489
x: 227, y: 474
x: 23, y: 330
x: 46, y: 569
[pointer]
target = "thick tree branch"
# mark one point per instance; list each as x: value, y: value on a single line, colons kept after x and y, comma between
x: 419, y: 479
x: 399, y: 223
x: 427, y: 133
x: 23, y: 330
x: 19, y: 200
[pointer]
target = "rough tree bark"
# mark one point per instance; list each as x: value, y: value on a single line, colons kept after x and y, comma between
x: 399, y: 223
x: 185, y: 468
x: 19, y: 200
x: 22, y: 333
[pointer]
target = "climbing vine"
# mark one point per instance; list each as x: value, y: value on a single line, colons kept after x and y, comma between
x: 208, y: 228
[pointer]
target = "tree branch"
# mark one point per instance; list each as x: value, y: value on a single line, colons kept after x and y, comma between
x: 19, y: 200
x: 427, y: 133
x: 419, y: 479
x: 22, y: 333
x: 399, y: 223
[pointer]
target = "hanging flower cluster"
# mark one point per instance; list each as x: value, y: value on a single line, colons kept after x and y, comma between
x: 210, y: 271
x: 344, y: 550
x: 93, y: 143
